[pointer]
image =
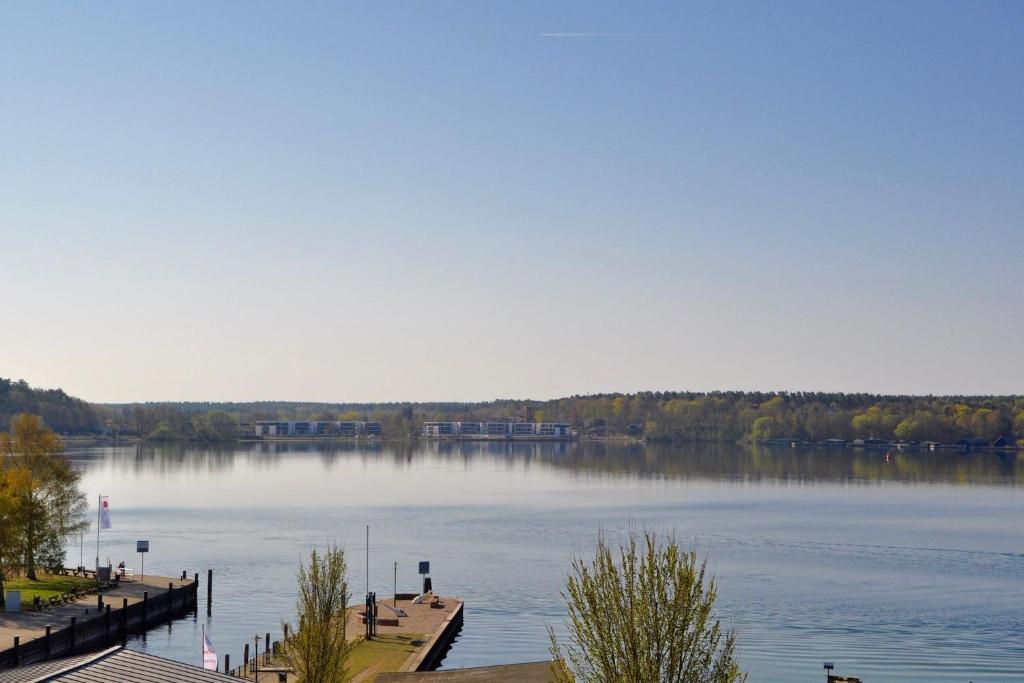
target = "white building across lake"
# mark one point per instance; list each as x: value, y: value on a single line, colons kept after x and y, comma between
x: 479, y: 430
x: 316, y: 428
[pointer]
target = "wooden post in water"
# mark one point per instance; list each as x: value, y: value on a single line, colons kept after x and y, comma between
x: 124, y: 621
x: 170, y: 600
x: 46, y: 643
x: 145, y: 610
x: 17, y: 642
x: 245, y: 660
x: 227, y: 664
x: 266, y: 650
x: 106, y: 625
x: 209, y: 591
x: 74, y: 622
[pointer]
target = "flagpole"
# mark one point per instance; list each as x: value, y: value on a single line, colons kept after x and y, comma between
x: 99, y: 505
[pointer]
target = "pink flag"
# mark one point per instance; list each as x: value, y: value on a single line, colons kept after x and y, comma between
x: 209, y: 654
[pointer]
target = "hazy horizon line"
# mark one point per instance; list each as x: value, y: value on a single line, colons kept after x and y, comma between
x: 566, y: 396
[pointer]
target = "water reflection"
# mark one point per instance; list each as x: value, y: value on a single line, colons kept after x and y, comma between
x: 719, y: 462
x: 906, y: 570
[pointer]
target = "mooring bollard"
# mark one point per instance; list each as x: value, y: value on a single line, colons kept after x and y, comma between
x: 99, y: 601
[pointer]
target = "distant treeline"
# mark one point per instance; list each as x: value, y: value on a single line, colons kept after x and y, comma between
x: 656, y: 416
x: 811, y: 416
x: 63, y: 413
x: 221, y: 421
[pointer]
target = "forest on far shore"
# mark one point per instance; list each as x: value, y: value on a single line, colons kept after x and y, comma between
x: 656, y: 416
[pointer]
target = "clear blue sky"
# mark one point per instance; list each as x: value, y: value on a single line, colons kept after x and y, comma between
x: 466, y: 200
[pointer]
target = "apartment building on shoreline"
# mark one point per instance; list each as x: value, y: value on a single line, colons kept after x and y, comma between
x: 297, y: 428
x: 496, y: 430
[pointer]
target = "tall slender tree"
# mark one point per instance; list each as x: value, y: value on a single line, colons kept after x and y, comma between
x: 319, y: 648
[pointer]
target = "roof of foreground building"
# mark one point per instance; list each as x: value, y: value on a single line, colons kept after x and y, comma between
x: 115, y: 665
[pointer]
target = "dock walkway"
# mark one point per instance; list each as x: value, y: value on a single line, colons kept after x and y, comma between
x: 149, y: 601
x: 426, y: 632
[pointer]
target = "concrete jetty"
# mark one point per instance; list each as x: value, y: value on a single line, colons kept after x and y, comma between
x: 421, y: 639
x: 529, y: 672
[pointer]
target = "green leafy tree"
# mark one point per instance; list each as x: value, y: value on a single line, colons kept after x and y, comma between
x: 50, y: 505
x: 163, y: 432
x: 875, y: 422
x: 763, y: 428
x: 648, y: 617
x: 13, y: 480
x: 221, y: 426
x: 319, y: 649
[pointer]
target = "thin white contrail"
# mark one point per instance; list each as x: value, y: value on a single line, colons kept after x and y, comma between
x: 605, y: 35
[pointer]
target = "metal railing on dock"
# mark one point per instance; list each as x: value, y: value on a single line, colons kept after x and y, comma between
x: 111, y: 625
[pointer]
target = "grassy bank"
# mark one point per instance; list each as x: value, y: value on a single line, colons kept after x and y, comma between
x: 383, y: 654
x: 46, y: 587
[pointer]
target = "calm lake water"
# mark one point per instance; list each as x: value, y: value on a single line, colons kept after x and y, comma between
x: 909, y: 570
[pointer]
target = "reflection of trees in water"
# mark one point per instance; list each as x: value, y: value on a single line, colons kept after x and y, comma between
x: 668, y: 461
x: 730, y: 461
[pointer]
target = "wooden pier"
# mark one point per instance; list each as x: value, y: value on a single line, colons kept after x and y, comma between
x: 93, y: 621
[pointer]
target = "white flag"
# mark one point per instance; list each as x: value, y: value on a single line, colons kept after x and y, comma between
x: 104, y: 513
x: 209, y: 654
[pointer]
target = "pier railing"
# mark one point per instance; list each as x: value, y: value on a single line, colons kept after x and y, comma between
x: 269, y: 655
x: 111, y: 625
